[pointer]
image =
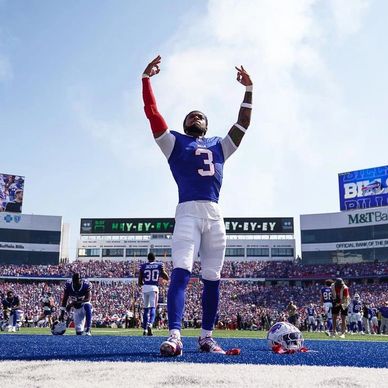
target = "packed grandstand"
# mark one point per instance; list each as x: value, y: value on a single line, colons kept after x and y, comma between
x: 254, y: 294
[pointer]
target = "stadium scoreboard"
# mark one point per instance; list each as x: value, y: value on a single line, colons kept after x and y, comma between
x: 112, y: 226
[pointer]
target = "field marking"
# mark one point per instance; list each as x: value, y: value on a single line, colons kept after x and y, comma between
x: 46, y: 374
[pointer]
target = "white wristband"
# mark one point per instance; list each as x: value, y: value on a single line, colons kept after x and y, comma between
x: 240, y: 127
x: 249, y: 88
x: 145, y: 75
x: 246, y: 105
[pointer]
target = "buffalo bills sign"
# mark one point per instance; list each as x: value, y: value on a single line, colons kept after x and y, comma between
x: 363, y: 188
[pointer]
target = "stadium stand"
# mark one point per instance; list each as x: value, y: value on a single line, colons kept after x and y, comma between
x: 232, y: 269
x: 253, y: 294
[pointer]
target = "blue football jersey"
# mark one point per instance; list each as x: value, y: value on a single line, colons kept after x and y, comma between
x: 77, y: 296
x: 151, y: 272
x: 197, y: 167
x: 326, y: 294
x: 310, y: 311
x: 356, y: 306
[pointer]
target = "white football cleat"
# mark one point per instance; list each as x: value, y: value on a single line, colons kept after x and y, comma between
x: 209, y: 345
x: 172, y: 347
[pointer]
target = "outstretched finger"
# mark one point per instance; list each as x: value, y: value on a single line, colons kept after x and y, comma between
x: 156, y: 60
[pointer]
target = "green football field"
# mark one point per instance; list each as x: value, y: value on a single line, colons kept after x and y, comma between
x: 196, y: 332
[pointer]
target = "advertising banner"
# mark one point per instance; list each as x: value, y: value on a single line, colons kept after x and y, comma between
x: 363, y: 188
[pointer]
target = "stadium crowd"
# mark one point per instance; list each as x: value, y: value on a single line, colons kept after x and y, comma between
x: 244, y: 304
x: 232, y: 269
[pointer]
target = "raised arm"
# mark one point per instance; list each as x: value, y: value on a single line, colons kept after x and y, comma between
x: 237, y: 132
x: 158, y: 125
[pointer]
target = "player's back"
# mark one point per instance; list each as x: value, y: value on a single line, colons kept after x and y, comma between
x: 327, y: 295
x: 150, y: 275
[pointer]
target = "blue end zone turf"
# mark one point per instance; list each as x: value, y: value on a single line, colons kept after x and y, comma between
x: 146, y: 349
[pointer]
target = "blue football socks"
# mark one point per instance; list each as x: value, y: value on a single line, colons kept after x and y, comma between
x: 210, y: 299
x: 176, y: 297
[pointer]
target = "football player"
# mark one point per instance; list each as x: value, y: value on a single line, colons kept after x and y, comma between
x: 311, y: 315
x: 78, y: 291
x: 149, y: 277
x: 196, y: 163
x: 341, y: 297
x: 355, y: 309
x: 11, y: 311
x: 327, y: 302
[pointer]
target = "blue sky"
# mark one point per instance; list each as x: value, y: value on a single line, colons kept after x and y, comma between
x: 71, y: 114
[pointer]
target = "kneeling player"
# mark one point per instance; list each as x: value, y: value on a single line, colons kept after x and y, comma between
x: 79, y: 292
x: 11, y: 311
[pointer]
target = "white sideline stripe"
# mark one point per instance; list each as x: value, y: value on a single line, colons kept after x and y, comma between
x: 109, y: 374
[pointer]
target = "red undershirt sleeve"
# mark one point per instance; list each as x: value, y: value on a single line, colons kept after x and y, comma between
x: 158, y: 125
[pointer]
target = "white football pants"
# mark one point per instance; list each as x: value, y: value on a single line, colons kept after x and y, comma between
x: 150, y: 299
x: 79, y: 319
x: 327, y: 307
x: 199, y: 235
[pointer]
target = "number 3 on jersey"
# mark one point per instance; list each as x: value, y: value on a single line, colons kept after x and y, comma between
x: 208, y: 161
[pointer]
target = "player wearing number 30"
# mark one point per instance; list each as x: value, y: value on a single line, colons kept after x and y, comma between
x: 197, y: 166
x: 149, y: 279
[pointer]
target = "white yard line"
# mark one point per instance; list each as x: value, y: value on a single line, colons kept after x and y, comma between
x: 67, y: 374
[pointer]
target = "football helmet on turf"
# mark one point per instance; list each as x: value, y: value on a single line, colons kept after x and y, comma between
x: 58, y: 328
x: 286, y: 335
